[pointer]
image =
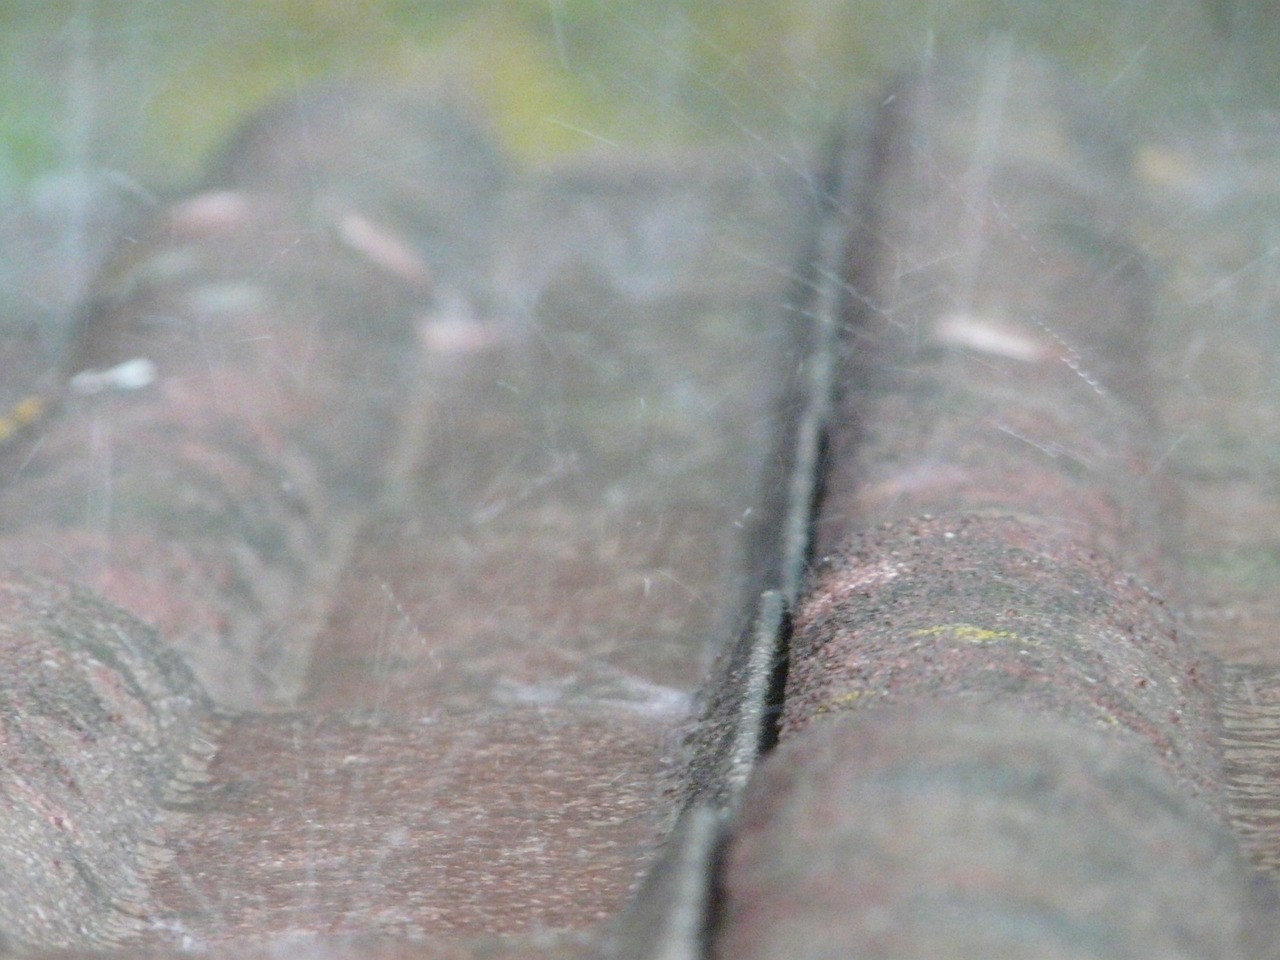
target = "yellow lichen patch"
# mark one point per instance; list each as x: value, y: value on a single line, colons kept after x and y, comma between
x: 843, y: 702
x: 968, y: 633
x: 24, y: 413
x: 539, y: 110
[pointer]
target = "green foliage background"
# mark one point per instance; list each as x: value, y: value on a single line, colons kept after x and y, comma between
x: 148, y: 86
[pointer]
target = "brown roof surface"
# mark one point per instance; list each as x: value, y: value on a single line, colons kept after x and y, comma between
x: 449, y: 488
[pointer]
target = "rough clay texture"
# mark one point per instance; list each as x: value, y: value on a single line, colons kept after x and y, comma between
x: 971, y: 832
x: 502, y: 669
x: 1046, y: 392
x: 996, y: 740
x: 101, y: 727
x: 459, y: 826
x: 998, y: 319
x: 998, y: 609
x: 215, y: 496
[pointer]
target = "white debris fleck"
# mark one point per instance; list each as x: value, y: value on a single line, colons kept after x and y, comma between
x: 384, y: 248
x: 212, y: 212
x: 131, y: 375
x: 984, y: 335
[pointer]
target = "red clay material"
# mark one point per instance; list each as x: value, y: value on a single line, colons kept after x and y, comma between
x: 232, y: 404
x: 986, y: 609
x: 223, y: 424
x: 996, y: 741
x: 546, y: 509
x: 998, y: 317
x: 100, y: 725
x: 460, y: 826
x: 969, y: 832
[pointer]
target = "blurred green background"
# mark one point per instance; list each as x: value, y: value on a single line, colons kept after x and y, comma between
x: 149, y: 86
